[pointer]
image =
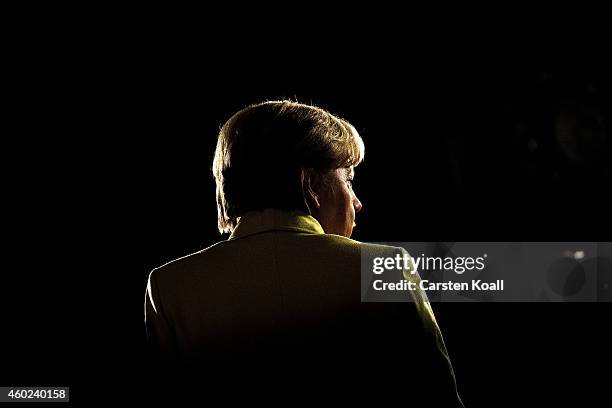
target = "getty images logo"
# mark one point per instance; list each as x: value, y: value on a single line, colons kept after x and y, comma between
x: 432, y: 263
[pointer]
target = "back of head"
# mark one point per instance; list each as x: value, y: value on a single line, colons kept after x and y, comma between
x: 262, y: 149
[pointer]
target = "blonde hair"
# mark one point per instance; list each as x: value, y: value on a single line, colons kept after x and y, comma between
x: 262, y: 149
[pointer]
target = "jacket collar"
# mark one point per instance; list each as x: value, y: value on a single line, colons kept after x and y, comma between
x: 271, y: 219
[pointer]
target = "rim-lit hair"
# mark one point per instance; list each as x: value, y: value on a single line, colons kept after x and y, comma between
x: 263, y: 148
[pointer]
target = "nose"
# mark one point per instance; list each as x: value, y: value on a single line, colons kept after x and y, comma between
x: 357, y: 204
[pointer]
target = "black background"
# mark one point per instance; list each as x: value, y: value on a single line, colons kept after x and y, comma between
x: 108, y: 174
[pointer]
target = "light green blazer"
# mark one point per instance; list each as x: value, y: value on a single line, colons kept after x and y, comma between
x: 277, y: 272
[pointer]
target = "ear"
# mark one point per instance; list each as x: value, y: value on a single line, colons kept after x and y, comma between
x: 307, y: 177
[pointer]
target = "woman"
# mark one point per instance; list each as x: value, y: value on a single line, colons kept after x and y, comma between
x: 284, y: 288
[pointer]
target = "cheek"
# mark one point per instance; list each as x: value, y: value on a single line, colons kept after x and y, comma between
x: 346, y: 203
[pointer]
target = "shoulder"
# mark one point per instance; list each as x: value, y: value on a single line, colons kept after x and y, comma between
x: 343, y: 244
x: 363, y: 246
x: 186, y: 264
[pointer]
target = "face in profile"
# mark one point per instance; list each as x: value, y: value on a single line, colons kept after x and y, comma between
x: 336, y: 203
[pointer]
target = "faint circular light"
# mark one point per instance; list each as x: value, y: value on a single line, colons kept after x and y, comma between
x: 566, y: 277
